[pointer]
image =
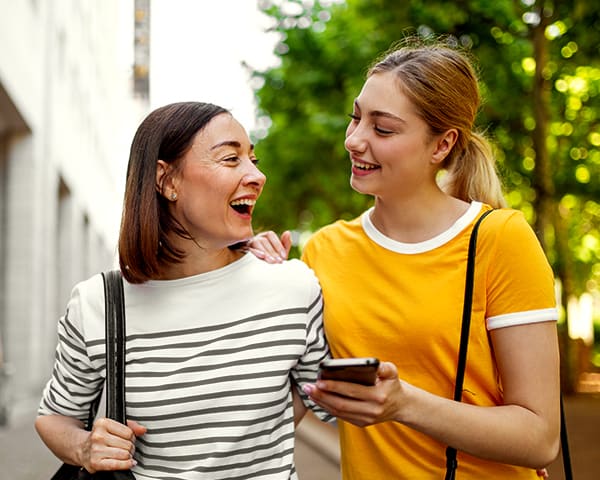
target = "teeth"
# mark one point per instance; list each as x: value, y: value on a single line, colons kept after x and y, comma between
x: 365, y: 166
x: 243, y: 201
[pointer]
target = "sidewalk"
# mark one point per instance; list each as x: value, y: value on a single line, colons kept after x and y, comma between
x: 23, y: 456
x: 583, y: 429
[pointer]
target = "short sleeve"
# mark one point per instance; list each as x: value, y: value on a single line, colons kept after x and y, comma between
x: 520, y: 280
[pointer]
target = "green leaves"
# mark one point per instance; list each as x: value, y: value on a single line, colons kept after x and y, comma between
x: 539, y: 63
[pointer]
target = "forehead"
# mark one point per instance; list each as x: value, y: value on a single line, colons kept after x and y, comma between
x: 382, y: 92
x: 223, y: 128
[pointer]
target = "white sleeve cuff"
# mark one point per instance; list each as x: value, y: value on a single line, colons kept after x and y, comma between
x: 522, y: 318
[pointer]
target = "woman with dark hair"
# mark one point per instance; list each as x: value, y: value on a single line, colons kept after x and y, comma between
x: 393, y: 284
x: 218, y: 343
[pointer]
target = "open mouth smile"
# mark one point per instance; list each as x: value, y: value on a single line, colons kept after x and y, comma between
x: 365, y: 166
x: 243, y: 205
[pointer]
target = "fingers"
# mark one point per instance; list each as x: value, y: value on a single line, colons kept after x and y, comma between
x: 268, y: 247
x: 110, y: 446
x: 359, y: 404
x: 346, y: 401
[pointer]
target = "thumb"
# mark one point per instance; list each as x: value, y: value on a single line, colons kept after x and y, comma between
x: 137, y: 429
x: 286, y: 241
x: 387, y: 371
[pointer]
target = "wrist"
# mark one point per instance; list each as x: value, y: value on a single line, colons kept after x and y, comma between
x: 81, y: 450
x: 407, y: 411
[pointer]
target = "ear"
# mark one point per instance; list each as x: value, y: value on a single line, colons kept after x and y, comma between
x: 444, y: 145
x: 165, y: 184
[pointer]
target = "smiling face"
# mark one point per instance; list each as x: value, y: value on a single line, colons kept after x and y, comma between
x: 216, y: 185
x: 391, y: 148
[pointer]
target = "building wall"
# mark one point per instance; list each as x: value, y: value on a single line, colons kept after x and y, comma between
x: 67, y: 115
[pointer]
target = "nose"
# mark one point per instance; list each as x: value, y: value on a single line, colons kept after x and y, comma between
x: 355, y: 138
x: 253, y: 175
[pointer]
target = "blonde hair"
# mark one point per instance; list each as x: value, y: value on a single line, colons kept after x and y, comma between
x: 442, y: 84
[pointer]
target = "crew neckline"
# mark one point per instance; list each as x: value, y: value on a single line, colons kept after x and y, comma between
x: 426, y: 245
x: 205, y: 276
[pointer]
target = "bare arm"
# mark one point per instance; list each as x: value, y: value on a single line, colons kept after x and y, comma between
x: 523, y: 431
x: 109, y: 446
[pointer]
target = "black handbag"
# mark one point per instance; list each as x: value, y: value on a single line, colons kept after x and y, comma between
x: 451, y: 462
x: 114, y: 304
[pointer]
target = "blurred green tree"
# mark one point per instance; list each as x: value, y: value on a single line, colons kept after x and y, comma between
x: 539, y: 64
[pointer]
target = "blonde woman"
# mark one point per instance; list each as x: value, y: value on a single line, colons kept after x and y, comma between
x: 393, y: 282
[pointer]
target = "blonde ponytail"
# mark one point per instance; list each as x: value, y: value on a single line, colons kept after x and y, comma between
x: 473, y: 176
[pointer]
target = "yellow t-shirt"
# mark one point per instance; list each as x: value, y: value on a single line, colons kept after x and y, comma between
x: 403, y: 303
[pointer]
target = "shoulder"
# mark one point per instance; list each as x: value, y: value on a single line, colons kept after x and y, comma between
x: 335, y: 232
x: 292, y: 271
x: 512, y: 246
x: 86, y: 305
x: 89, y: 291
x: 504, y: 216
x: 506, y: 225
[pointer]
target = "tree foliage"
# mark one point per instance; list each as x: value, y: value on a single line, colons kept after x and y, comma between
x: 539, y: 64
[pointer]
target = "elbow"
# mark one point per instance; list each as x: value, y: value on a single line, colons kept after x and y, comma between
x: 41, y: 426
x: 552, y: 451
x: 546, y: 453
x: 38, y: 424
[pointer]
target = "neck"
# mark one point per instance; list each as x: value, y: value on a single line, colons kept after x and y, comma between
x: 417, y: 220
x: 198, y: 262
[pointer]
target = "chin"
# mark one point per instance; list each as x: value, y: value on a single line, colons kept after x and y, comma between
x: 357, y: 188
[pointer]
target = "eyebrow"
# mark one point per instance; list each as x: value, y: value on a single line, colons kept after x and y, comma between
x: 230, y: 143
x: 381, y: 113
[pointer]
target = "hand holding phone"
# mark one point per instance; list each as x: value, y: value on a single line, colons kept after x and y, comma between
x: 356, y: 370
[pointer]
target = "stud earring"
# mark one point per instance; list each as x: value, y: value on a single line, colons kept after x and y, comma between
x: 173, y: 196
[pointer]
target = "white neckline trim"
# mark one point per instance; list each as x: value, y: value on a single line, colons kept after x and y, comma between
x: 420, y: 247
x: 203, y: 277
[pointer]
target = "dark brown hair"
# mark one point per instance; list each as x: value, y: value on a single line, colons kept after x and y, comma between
x: 166, y: 134
x: 441, y: 83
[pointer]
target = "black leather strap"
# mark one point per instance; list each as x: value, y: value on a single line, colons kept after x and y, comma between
x: 564, y: 443
x: 451, y: 462
x: 114, y: 302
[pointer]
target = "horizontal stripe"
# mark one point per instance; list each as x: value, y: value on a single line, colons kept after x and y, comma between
x: 210, y: 379
x: 213, y: 328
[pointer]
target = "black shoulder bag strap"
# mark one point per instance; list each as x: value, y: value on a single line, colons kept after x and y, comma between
x: 114, y: 303
x: 564, y: 443
x: 451, y: 462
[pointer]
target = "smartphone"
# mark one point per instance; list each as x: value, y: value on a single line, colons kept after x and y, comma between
x: 356, y: 370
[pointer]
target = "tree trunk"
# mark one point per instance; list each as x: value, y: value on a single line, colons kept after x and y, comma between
x: 548, y: 225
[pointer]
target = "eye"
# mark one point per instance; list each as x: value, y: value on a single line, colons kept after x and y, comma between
x: 233, y: 159
x: 354, y: 117
x: 255, y: 160
x: 382, y: 131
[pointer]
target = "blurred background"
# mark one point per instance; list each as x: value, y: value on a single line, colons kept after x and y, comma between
x: 77, y: 77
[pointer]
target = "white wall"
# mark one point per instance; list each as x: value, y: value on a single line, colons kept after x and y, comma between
x: 67, y: 116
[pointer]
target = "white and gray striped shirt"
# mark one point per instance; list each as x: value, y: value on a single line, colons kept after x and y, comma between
x: 208, y: 366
